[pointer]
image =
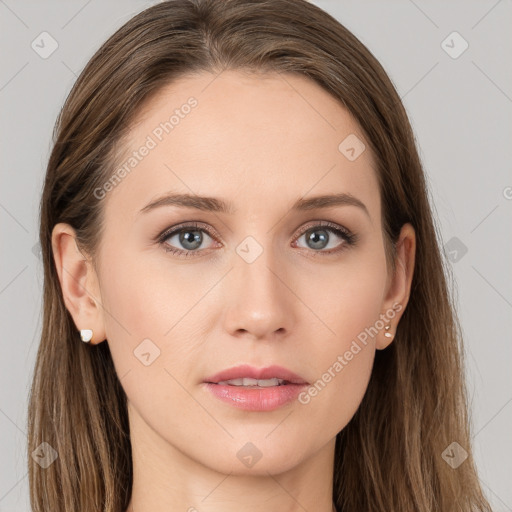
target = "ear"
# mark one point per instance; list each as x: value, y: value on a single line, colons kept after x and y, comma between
x: 399, y: 284
x: 79, y: 282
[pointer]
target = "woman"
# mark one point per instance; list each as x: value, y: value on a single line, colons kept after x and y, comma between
x: 235, y: 221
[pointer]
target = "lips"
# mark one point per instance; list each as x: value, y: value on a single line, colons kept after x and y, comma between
x: 251, y: 372
x: 254, y: 389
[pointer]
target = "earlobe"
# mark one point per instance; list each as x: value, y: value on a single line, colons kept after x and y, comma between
x: 79, y: 282
x: 399, y: 287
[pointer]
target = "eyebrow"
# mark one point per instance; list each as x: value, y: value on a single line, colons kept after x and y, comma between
x: 213, y: 204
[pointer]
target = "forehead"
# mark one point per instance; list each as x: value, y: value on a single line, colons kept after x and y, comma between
x: 255, y: 139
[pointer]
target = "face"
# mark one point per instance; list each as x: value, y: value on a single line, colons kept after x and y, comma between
x: 271, y: 279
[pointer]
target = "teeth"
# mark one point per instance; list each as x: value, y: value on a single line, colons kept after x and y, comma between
x: 263, y: 383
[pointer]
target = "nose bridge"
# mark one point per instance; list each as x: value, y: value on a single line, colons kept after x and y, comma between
x: 261, y: 303
x: 255, y: 264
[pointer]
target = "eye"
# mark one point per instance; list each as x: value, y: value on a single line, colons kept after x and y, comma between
x: 318, y: 238
x: 190, y: 237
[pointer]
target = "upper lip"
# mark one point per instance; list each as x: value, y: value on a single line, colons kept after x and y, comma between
x: 252, y: 372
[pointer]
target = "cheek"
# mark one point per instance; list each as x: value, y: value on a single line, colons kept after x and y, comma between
x: 141, y: 300
x: 137, y: 311
x: 348, y: 298
x: 142, y: 312
x: 350, y: 305
x: 151, y: 312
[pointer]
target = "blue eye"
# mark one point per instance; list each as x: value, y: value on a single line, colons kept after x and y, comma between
x: 191, y: 237
x: 318, y: 237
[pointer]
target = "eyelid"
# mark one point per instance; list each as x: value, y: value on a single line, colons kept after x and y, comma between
x: 186, y: 225
x: 323, y: 224
x: 197, y: 224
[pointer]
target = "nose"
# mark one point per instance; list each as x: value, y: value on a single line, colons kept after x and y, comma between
x: 261, y: 304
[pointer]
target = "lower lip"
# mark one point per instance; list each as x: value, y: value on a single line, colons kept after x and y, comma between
x: 256, y: 399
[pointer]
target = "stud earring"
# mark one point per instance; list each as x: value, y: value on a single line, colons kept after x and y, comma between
x: 86, y: 335
x: 387, y: 333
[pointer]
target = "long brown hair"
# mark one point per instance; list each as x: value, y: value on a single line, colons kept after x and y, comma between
x: 390, y: 455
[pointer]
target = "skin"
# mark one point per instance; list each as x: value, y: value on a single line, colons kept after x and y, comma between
x: 262, y: 142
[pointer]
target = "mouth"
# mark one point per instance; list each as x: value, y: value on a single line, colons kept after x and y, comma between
x: 258, y: 390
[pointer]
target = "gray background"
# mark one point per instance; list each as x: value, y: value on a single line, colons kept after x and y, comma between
x: 460, y: 109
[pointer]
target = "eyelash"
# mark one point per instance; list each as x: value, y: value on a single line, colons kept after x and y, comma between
x: 349, y: 238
